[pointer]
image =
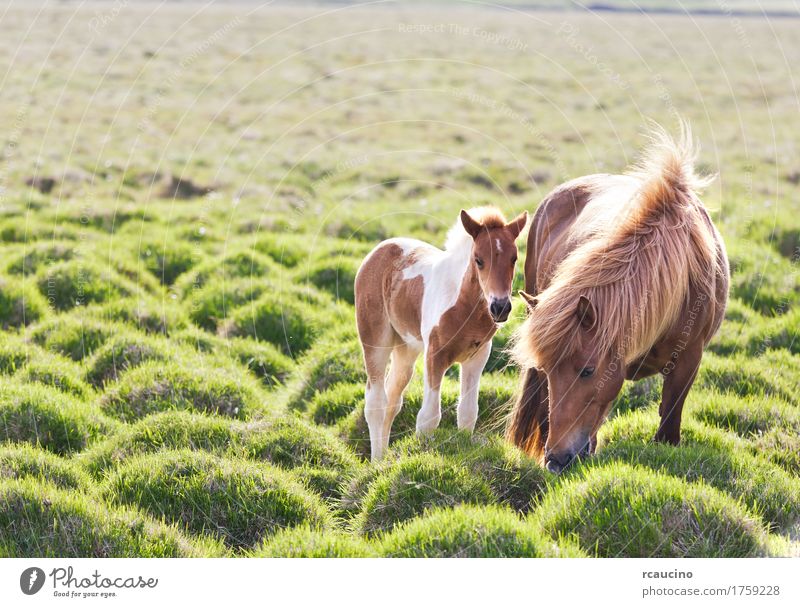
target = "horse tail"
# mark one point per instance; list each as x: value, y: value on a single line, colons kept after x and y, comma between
x: 528, y: 423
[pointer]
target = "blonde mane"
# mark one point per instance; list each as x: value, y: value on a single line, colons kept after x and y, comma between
x: 638, y: 272
x: 457, y: 237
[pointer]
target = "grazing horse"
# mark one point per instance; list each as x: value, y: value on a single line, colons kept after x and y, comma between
x: 625, y: 276
x: 412, y: 297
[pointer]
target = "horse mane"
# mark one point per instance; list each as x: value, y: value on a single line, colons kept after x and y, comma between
x: 457, y: 237
x: 638, y: 272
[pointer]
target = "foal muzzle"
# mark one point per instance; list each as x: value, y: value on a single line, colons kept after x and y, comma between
x: 500, y: 309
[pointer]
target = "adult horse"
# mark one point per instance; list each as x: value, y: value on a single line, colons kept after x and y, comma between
x: 625, y: 277
x: 413, y: 297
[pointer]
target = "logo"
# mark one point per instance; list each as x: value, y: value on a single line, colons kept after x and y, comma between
x: 31, y: 580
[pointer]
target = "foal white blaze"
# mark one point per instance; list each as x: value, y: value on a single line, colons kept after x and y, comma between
x: 412, y: 297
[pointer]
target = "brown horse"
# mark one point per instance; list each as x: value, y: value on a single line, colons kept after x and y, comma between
x: 413, y: 297
x: 626, y: 276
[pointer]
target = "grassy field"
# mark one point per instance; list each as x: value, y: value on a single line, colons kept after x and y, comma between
x: 186, y: 193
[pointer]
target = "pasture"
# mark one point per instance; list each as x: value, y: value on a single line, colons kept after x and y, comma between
x: 186, y: 193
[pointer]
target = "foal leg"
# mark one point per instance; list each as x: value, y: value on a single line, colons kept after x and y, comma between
x: 376, y: 356
x: 676, y: 386
x: 430, y: 414
x: 467, y: 412
x: 400, y: 373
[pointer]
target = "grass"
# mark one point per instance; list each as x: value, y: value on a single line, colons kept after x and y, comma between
x: 414, y: 486
x: 624, y: 511
x: 153, y: 387
x: 304, y: 542
x: 42, y: 521
x: 44, y: 416
x: 181, y: 373
x: 239, y: 502
x: 26, y: 461
x: 286, y: 442
x: 471, y: 531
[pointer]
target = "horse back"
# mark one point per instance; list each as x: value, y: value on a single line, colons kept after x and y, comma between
x: 383, y: 294
x: 549, y: 239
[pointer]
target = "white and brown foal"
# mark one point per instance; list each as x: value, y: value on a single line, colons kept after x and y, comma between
x: 412, y: 297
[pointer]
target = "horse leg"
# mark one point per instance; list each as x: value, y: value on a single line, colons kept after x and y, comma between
x: 430, y: 414
x: 677, y: 383
x: 400, y: 373
x: 467, y: 412
x: 376, y: 357
x: 528, y: 425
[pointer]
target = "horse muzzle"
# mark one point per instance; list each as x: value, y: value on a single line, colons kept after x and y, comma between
x: 500, y: 309
x: 557, y: 462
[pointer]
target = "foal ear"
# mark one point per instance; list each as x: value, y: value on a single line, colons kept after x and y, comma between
x: 530, y: 300
x: 472, y: 227
x: 517, y: 225
x: 587, y: 315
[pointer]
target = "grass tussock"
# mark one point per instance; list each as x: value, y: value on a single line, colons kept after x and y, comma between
x: 237, y: 501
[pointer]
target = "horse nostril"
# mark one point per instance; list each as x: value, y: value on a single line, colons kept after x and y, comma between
x: 556, y: 462
x: 500, y: 308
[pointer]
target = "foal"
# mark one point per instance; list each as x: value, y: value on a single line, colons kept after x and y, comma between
x: 412, y: 297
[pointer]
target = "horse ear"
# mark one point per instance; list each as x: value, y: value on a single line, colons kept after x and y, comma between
x: 472, y: 227
x: 530, y: 300
x: 587, y: 315
x: 517, y: 225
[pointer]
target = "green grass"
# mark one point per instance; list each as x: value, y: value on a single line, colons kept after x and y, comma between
x: 26, y: 461
x: 39, y: 520
x: 304, y: 542
x: 20, y: 303
x: 239, y: 502
x: 619, y: 510
x: 44, y: 416
x: 200, y: 385
x: 181, y: 372
x: 767, y: 489
x: 414, y: 485
x: 74, y: 335
x: 68, y: 284
x: 473, y: 531
x: 56, y: 371
x: 287, y: 442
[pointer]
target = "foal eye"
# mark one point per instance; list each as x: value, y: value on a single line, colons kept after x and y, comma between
x: 587, y: 371
x: 479, y: 262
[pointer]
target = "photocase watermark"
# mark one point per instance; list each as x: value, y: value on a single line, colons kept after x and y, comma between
x: 504, y: 109
x: 456, y: 29
x: 570, y: 32
x: 66, y: 584
x: 301, y: 204
x: 184, y: 65
x: 101, y: 19
x: 10, y: 150
x: 736, y: 23
x: 664, y: 95
x: 31, y: 580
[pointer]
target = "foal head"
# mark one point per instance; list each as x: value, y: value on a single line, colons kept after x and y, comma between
x: 494, y: 255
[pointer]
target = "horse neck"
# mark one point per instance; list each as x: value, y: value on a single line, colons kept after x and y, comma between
x: 470, y: 288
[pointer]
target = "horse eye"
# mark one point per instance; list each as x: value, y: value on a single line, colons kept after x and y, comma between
x: 513, y: 260
x: 479, y: 262
x: 587, y: 371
